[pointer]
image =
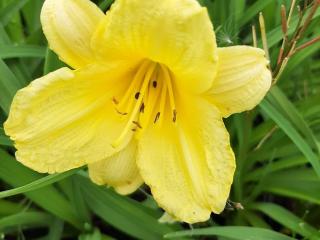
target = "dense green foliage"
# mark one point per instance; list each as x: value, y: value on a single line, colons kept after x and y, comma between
x: 276, y: 145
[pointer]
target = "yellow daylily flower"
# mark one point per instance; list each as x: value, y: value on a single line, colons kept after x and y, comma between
x: 144, y: 102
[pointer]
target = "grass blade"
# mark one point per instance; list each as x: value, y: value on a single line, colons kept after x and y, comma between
x: 22, y: 51
x: 9, y: 85
x: 123, y: 213
x: 24, y: 219
x: 12, y: 8
x: 4, y: 140
x: 47, y: 197
x: 253, y: 11
x: 286, y: 218
x: 292, y: 133
x: 236, y: 233
x: 37, y: 184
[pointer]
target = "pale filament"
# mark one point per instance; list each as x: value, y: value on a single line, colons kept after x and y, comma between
x: 146, y: 97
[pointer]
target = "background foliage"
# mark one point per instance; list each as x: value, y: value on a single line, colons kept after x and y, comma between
x: 277, y: 147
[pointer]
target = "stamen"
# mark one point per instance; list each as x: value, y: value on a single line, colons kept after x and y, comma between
x: 122, y: 113
x: 115, y: 101
x: 168, y: 80
x: 137, y: 106
x: 151, y: 103
x: 174, y: 115
x: 136, y: 82
x: 138, y: 124
x: 147, y: 94
x: 157, y: 117
x: 154, y: 84
x: 163, y: 100
x: 142, y: 108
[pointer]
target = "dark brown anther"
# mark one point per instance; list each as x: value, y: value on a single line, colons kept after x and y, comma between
x: 155, y: 84
x: 142, y: 108
x: 174, y: 115
x: 157, y: 117
x: 115, y: 101
x: 122, y: 113
x: 137, y: 124
x: 133, y: 129
x: 137, y: 95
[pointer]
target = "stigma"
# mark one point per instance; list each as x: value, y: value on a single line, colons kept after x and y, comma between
x: 148, y: 100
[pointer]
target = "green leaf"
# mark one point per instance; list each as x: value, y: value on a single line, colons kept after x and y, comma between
x: 24, y: 219
x: 52, y: 62
x: 49, y: 198
x: 292, y: 133
x: 37, y: 184
x: 9, y: 85
x: 12, y: 8
x: 9, y: 208
x: 105, y: 4
x: 288, y: 219
x: 4, y: 38
x: 300, y: 184
x: 21, y: 51
x: 55, y: 229
x: 287, y: 108
x: 253, y: 11
x: 236, y: 233
x: 255, y: 220
x: 4, y: 140
x: 31, y: 12
x: 284, y: 163
x: 96, y: 235
x: 123, y: 213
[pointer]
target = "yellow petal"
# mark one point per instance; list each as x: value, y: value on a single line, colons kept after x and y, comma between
x: 65, y: 119
x: 119, y: 171
x: 166, y: 218
x: 176, y: 33
x: 68, y: 26
x: 242, y: 81
x: 189, y: 165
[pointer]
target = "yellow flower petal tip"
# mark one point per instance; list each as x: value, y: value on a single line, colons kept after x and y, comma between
x: 144, y: 104
x: 166, y: 218
x: 242, y: 80
x: 119, y: 171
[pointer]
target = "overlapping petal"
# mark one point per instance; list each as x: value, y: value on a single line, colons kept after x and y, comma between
x: 119, y: 171
x: 68, y: 26
x: 176, y: 33
x: 69, y: 118
x: 242, y: 81
x: 66, y: 119
x: 189, y: 166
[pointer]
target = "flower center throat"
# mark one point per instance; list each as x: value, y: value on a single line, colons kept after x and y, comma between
x: 149, y: 99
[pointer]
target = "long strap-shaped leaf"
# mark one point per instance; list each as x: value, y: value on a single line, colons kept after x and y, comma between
x: 237, y: 233
x: 49, y: 198
x: 12, y: 8
x: 9, y: 85
x: 288, y: 219
x: 21, y: 51
x: 25, y: 219
x: 284, y: 123
x: 123, y: 213
x: 37, y: 184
